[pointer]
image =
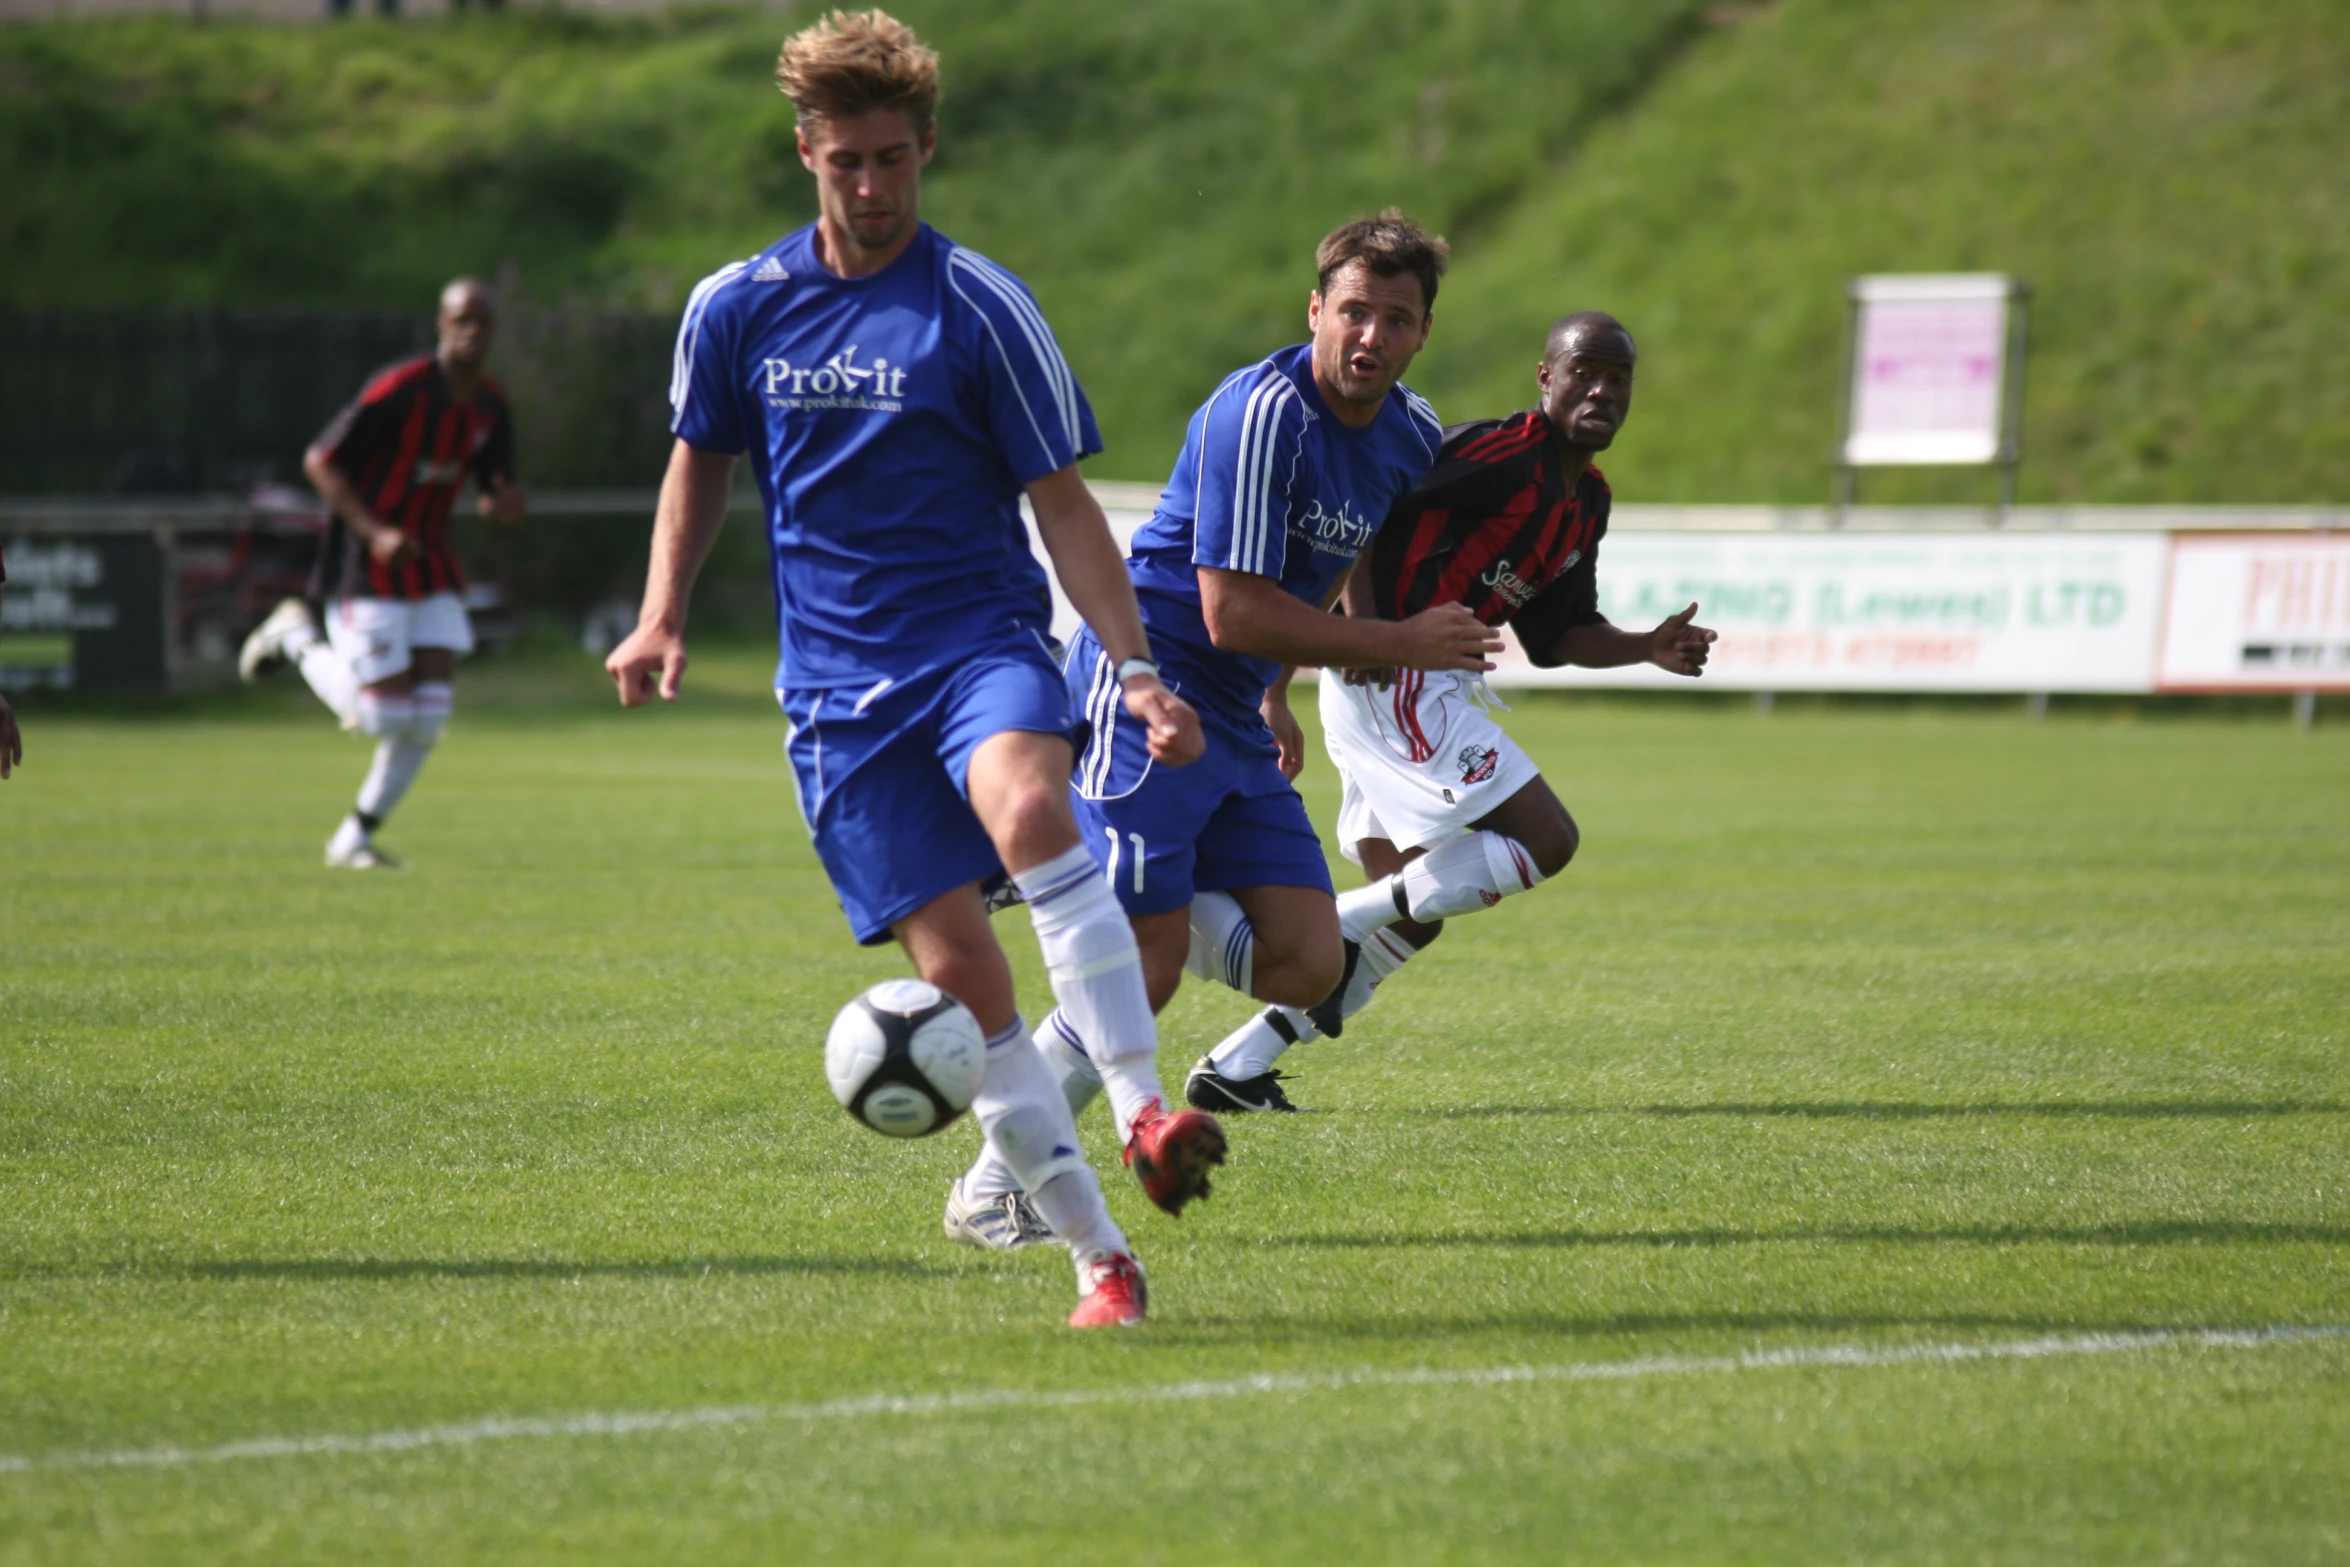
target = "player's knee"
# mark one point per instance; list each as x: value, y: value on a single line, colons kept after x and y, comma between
x: 1299, y: 977
x: 1031, y: 821
x: 1554, y: 846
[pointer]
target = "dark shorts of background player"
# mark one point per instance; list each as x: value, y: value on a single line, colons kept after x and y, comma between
x: 1228, y: 820
x: 883, y: 774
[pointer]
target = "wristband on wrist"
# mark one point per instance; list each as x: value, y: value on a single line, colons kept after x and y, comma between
x: 1130, y: 667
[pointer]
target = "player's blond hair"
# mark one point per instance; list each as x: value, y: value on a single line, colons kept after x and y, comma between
x: 854, y: 62
x: 1388, y: 244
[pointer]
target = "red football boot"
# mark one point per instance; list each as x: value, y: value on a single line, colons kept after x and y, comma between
x: 1170, y: 1154
x: 1111, y: 1293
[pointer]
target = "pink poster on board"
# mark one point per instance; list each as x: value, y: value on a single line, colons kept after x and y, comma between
x: 1928, y: 370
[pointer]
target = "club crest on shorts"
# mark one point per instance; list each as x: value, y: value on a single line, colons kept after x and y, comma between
x: 1477, y: 763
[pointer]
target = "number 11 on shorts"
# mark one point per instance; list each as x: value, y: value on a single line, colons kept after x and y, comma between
x: 1111, y: 833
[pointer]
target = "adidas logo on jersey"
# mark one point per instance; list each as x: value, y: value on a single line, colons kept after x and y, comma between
x: 770, y: 271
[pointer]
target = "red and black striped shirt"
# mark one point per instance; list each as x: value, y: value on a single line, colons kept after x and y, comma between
x: 407, y: 446
x: 1498, y: 525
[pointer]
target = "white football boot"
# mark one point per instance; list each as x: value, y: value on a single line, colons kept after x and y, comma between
x: 266, y: 645
x: 1004, y: 1223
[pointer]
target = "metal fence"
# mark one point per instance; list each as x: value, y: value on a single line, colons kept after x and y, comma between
x: 215, y: 401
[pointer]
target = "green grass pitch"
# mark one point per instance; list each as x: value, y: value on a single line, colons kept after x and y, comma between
x: 1857, y: 1036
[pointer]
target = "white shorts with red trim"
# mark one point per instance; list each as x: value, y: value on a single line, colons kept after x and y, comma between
x: 376, y: 636
x: 1419, y: 759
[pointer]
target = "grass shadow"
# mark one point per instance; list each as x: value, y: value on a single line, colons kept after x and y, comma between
x: 1896, y: 1110
x: 327, y: 1269
x: 2148, y: 1232
x: 1568, y: 1327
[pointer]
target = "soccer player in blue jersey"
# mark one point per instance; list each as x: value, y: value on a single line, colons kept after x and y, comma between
x: 1286, y: 471
x: 896, y: 394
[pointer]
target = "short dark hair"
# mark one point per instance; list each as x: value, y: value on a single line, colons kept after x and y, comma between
x: 852, y: 63
x: 1388, y: 244
x: 1582, y: 323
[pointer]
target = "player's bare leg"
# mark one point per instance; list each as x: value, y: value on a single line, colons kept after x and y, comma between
x: 1388, y: 921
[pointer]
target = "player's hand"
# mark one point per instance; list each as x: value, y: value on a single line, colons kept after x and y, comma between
x: 386, y: 545
x: 1446, y: 636
x: 11, y: 743
x: 1286, y: 734
x: 649, y: 663
x: 1380, y: 675
x: 504, y: 501
x: 1174, y: 728
x: 1679, y: 648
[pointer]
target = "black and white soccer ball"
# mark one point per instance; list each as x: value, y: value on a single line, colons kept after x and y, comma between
x: 905, y: 1058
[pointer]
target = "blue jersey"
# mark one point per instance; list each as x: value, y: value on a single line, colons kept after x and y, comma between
x: 894, y: 420
x: 1269, y: 482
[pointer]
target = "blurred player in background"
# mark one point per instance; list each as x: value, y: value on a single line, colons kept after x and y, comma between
x: 897, y: 395
x: 1285, y: 472
x: 389, y: 467
x: 1440, y: 807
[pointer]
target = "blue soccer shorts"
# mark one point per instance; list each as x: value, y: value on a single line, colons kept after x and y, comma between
x: 883, y: 776
x: 1166, y: 833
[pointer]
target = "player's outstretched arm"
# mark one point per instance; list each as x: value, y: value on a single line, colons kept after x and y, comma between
x: 1085, y: 557
x: 1675, y: 646
x: 685, y: 524
x: 1248, y: 613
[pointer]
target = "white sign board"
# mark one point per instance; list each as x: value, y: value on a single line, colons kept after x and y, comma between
x: 1887, y: 612
x: 1929, y: 370
x: 2258, y: 612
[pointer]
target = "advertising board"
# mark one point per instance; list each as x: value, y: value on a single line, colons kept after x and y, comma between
x: 2257, y: 612
x: 84, y: 612
x: 1888, y: 612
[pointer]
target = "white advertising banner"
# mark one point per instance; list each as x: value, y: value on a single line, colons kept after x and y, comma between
x: 1929, y: 368
x: 2258, y: 612
x: 1888, y: 612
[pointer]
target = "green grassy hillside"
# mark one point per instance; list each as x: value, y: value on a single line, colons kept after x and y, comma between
x: 2168, y: 177
x: 1159, y: 174
x: 2165, y: 175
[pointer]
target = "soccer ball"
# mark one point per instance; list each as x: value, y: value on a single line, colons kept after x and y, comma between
x: 905, y: 1058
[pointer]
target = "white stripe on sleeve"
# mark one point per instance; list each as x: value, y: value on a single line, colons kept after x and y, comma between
x: 1260, y: 439
x: 1049, y: 360
x: 689, y: 332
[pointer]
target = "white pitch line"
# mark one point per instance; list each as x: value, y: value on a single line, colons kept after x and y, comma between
x: 637, y: 1422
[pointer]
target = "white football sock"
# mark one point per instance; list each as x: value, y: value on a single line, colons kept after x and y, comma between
x: 349, y: 836
x: 1251, y: 1049
x: 1096, y: 972
x: 1459, y: 877
x: 433, y: 701
x: 989, y: 1176
x: 1223, y: 942
x: 1132, y: 1083
x: 399, y: 756
x: 327, y: 675
x: 1030, y: 1132
x: 382, y: 716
